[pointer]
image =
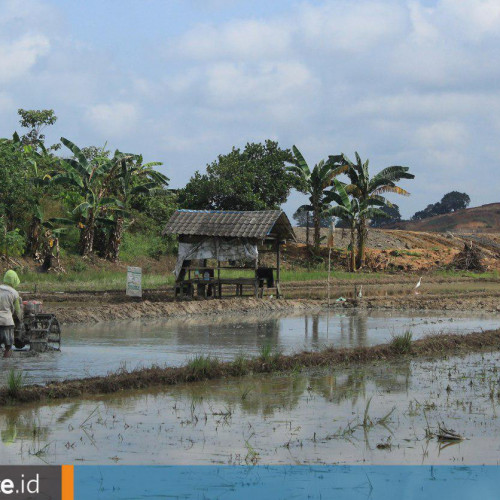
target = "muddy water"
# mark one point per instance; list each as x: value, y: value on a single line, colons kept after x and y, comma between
x: 99, y: 349
x: 378, y: 414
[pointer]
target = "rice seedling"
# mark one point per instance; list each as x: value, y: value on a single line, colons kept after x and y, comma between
x: 240, y: 364
x: 202, y: 366
x: 402, y: 343
x: 15, y: 381
x: 266, y: 351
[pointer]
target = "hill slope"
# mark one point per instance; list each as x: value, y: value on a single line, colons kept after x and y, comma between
x: 485, y: 218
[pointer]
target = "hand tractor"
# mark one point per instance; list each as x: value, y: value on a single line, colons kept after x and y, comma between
x: 38, y: 330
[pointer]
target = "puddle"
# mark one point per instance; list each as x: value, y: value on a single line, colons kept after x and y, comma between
x: 99, y: 349
x: 377, y: 414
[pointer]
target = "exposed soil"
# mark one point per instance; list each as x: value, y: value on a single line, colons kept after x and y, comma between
x: 95, y: 312
x: 211, y: 368
x: 401, y: 250
x: 485, y: 218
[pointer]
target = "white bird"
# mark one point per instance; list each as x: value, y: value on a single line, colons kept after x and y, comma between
x: 417, y: 286
x: 360, y: 293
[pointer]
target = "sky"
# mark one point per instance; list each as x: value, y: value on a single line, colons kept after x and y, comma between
x: 414, y: 83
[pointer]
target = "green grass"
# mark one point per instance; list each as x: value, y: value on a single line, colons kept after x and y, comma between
x: 451, y: 273
x: 81, y: 277
x: 402, y: 343
x: 240, y: 364
x: 203, y: 366
x: 89, y: 280
x: 15, y: 382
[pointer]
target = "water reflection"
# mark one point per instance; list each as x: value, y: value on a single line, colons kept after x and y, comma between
x: 99, y: 349
x: 284, y: 418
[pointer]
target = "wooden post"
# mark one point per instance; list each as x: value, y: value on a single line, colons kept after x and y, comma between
x: 219, y: 286
x: 256, y: 284
x: 278, y: 290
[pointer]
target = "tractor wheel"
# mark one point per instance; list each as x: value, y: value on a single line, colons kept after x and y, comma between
x: 19, y: 344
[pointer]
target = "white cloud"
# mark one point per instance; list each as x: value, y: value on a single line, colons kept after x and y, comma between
x: 401, y: 81
x: 241, y: 39
x: 19, y: 56
x: 113, y: 120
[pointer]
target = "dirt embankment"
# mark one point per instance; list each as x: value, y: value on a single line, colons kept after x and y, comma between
x: 93, y: 312
x: 378, y: 291
x: 206, y: 368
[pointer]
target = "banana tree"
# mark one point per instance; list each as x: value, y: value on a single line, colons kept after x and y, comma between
x: 351, y: 211
x: 133, y: 178
x: 92, y: 180
x: 369, y: 190
x: 316, y: 182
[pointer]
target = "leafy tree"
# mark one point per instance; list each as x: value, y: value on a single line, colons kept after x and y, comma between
x: 450, y: 202
x: 36, y: 121
x: 392, y: 215
x: 300, y: 216
x: 253, y: 179
x: 368, y: 191
x: 453, y: 201
x: 14, y: 184
x: 315, y: 182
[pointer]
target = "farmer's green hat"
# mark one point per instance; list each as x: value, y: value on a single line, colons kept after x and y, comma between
x: 11, y: 278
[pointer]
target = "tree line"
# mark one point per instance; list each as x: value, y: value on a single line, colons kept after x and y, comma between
x: 261, y: 176
x: 87, y: 197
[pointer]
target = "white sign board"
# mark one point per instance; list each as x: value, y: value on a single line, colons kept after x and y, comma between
x: 134, y: 281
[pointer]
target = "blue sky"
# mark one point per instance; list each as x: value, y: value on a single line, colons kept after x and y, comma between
x: 402, y: 82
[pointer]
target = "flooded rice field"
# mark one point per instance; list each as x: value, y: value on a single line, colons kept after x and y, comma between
x: 386, y: 413
x: 106, y: 347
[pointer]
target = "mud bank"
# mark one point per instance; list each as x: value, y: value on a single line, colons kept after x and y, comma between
x: 74, y: 312
x: 385, y: 292
x: 209, y: 368
x: 470, y: 301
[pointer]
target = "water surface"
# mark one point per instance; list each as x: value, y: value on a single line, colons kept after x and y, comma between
x: 385, y: 413
x: 89, y: 350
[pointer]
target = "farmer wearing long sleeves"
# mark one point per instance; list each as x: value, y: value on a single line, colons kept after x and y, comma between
x: 10, y: 305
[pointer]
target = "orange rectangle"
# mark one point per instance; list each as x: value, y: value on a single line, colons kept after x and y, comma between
x: 67, y: 480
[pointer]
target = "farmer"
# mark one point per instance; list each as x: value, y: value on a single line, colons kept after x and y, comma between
x: 10, y: 305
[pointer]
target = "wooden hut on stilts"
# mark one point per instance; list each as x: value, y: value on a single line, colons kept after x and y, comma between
x: 234, y: 241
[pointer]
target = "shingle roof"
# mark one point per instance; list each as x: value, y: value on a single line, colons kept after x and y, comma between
x: 233, y: 224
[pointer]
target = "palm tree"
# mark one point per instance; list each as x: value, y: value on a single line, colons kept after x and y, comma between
x: 133, y: 178
x: 366, y: 189
x: 315, y: 183
x: 351, y: 211
x: 92, y: 180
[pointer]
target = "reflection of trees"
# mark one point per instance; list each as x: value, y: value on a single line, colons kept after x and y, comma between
x: 261, y: 395
x: 350, y: 384
x: 354, y: 328
x: 21, y: 424
x: 18, y: 425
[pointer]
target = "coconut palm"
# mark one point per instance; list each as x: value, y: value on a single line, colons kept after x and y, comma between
x: 316, y: 182
x: 351, y: 211
x: 366, y: 189
x: 92, y: 181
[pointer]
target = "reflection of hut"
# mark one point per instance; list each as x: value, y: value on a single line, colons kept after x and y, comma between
x: 234, y: 240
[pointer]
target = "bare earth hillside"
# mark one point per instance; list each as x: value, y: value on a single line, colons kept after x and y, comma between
x: 401, y: 250
x: 484, y: 219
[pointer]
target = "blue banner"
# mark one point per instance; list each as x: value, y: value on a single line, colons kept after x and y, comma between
x: 287, y: 482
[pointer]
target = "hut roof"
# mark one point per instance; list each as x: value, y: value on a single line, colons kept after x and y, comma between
x: 230, y: 224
